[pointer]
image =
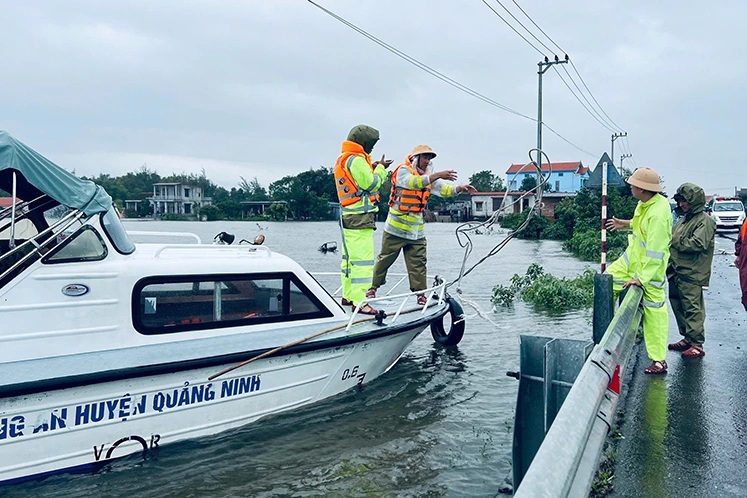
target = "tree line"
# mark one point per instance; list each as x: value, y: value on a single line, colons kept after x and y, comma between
x: 308, y: 195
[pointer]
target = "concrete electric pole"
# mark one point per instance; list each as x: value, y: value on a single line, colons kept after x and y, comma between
x: 623, y: 156
x: 615, y: 136
x: 543, y: 66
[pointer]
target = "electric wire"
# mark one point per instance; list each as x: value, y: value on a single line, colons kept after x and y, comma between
x: 591, y: 111
x: 462, y: 230
x: 537, y: 26
x: 520, y: 24
x: 441, y: 76
x: 575, y: 69
x: 421, y: 65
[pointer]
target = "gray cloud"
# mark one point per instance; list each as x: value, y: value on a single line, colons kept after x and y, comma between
x: 270, y: 88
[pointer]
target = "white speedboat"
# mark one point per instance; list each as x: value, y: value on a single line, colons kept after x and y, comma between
x: 109, y: 348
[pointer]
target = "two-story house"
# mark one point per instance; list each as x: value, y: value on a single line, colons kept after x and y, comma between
x: 177, y: 198
x: 564, y: 177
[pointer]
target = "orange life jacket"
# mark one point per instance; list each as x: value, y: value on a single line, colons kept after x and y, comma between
x: 406, y: 200
x: 348, y: 193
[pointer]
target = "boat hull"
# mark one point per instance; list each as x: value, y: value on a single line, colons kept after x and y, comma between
x: 80, y: 426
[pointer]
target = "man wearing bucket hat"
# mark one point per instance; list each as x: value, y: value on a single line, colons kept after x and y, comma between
x: 412, y: 183
x: 358, y: 180
x: 644, y: 262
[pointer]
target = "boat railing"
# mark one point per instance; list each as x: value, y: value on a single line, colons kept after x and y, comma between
x: 36, y: 246
x: 438, y: 290
x: 145, y: 233
x: 237, y: 248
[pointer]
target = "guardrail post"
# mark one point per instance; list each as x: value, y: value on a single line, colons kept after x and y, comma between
x: 565, y: 463
x: 548, y: 368
x: 604, y: 305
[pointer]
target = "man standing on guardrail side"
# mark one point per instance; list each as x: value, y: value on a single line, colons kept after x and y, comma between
x: 644, y: 261
x: 690, y: 258
x: 412, y: 183
x: 741, y: 253
x: 358, y: 181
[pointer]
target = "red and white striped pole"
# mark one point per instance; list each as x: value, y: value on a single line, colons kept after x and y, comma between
x: 604, y: 216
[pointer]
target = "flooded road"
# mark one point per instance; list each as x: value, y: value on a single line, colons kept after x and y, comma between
x: 437, y: 424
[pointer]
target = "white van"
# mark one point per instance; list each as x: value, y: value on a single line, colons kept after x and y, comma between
x: 727, y: 212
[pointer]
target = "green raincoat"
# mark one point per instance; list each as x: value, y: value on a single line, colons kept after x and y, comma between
x: 690, y: 258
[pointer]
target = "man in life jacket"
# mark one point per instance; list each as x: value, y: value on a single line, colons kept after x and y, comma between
x: 412, y: 183
x: 644, y: 262
x: 358, y: 180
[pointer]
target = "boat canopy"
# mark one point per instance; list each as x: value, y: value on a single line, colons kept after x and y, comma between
x: 38, y: 175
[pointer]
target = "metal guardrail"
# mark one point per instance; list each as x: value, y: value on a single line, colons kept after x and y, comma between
x: 567, y: 460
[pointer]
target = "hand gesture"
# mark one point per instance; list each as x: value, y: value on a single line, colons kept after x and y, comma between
x: 448, y: 174
x: 467, y: 188
x: 384, y: 161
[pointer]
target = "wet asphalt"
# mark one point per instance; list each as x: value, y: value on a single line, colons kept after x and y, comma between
x: 685, y: 433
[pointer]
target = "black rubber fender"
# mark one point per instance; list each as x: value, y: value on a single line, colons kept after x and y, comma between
x: 456, y: 331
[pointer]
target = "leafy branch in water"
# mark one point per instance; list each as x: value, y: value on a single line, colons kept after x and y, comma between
x: 547, y: 291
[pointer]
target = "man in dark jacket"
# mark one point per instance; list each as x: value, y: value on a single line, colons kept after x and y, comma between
x: 690, y: 257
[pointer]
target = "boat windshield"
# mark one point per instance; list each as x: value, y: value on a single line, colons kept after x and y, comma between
x: 116, y: 232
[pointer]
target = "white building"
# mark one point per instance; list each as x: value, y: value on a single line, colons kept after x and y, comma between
x: 177, y: 198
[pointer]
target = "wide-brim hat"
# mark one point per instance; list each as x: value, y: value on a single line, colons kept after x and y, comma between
x: 421, y: 149
x: 646, y: 179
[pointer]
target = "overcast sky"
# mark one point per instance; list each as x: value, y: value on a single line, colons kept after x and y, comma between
x: 270, y: 88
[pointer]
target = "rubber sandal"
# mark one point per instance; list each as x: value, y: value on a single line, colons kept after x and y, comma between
x: 371, y: 293
x: 693, y: 352
x: 679, y: 345
x: 367, y: 310
x: 345, y: 302
x: 422, y: 300
x: 657, y: 367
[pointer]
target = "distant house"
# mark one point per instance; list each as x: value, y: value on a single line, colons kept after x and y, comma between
x: 564, y: 177
x: 177, y: 198
x: 134, y: 204
x: 484, y: 204
x: 251, y: 209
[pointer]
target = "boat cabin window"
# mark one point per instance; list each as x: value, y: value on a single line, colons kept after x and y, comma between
x: 84, y: 245
x: 116, y: 232
x: 162, y: 305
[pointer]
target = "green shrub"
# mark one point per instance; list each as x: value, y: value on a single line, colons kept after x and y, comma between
x: 546, y: 291
x: 587, y: 245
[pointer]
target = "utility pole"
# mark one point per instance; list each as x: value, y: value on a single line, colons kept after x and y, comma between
x: 623, y: 156
x: 543, y: 66
x: 615, y: 136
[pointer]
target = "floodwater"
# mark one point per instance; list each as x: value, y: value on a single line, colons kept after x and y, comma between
x: 437, y: 424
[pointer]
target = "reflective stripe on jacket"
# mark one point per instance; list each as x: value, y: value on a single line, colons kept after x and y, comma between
x: 414, y: 197
x: 410, y: 224
x: 648, y: 245
x: 356, y: 180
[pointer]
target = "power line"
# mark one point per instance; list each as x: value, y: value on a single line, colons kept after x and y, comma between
x: 439, y: 75
x: 594, y: 98
x: 537, y: 26
x: 591, y: 111
x: 421, y: 65
x: 583, y: 82
x: 520, y: 24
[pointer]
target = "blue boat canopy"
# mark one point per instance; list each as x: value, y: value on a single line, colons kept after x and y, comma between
x: 37, y: 175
